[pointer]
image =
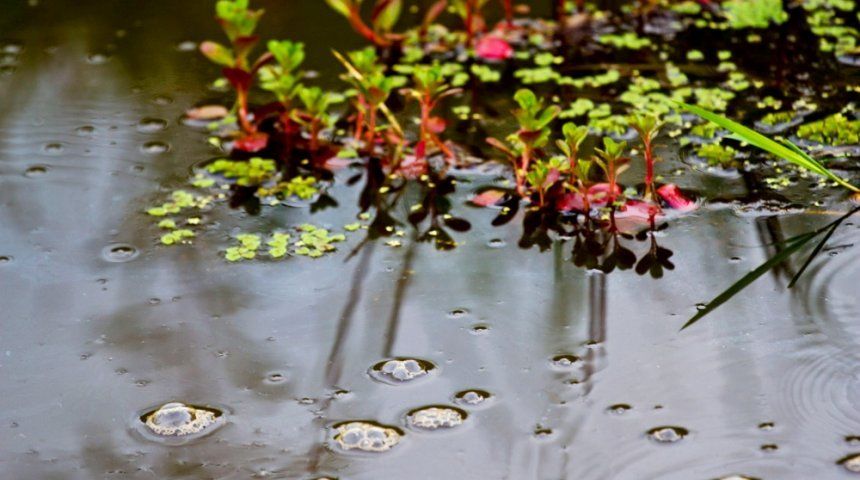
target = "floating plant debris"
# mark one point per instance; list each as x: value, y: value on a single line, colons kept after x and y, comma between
x: 177, y: 422
x: 436, y: 418
x: 401, y: 370
x: 668, y: 434
x: 366, y: 436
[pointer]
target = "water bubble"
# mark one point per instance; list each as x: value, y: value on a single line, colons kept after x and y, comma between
x: 275, y: 378
x: 177, y: 423
x: 852, y: 440
x: 497, y: 243
x: 851, y: 463
x: 458, y: 313
x: 565, y: 361
x: 619, y: 408
x: 766, y: 426
x: 366, y: 436
x: 155, y: 148
x: 770, y: 447
x: 98, y: 58
x: 436, y: 417
x: 5, y: 259
x: 542, y: 432
x: 480, y: 329
x: 668, y: 434
x: 85, y: 131
x: 151, y: 125
x: 162, y: 100
x: 186, y: 46
x: 119, y: 252
x: 53, y: 148
x: 12, y: 48
x: 472, y: 397
x: 36, y: 171
x: 401, y: 370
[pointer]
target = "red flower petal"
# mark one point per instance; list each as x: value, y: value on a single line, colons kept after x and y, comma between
x: 494, y: 48
x: 672, y: 195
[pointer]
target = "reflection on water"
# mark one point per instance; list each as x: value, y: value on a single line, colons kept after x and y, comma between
x: 570, y: 372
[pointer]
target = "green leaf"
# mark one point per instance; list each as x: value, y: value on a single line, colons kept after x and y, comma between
x: 786, y: 150
x: 340, y: 6
x: 217, y: 53
x: 386, y: 14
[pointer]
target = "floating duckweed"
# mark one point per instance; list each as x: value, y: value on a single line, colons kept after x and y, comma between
x: 778, y: 120
x: 167, y: 224
x: 695, y: 55
x: 179, y: 421
x: 301, y: 187
x: 624, y: 40
x: 436, y: 417
x: 181, y: 235
x: 278, y: 244
x: 737, y: 82
x: 472, y: 397
x: 401, y: 370
x: 366, y: 436
x: 834, y: 130
x: 352, y: 227
x: 246, y: 173
x: 705, y: 130
x: 851, y: 463
x: 485, y: 73
x: 754, y: 13
x: 180, y: 200
x: 668, y: 434
x: 246, y: 250
x: 545, y: 59
x: 594, y: 81
x: 537, y: 75
x: 315, y: 242
x: 714, y: 99
x: 717, y: 155
x: 579, y: 107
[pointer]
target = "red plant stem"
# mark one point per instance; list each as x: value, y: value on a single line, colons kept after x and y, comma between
x: 371, y: 129
x: 315, y: 133
x: 242, y: 99
x: 612, y: 181
x: 525, y: 160
x: 359, y: 118
x: 470, y: 5
x: 509, y: 13
x: 649, y: 167
x: 365, y: 31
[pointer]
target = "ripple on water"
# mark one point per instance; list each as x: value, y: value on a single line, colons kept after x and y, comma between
x: 178, y: 423
x: 829, y: 294
x: 365, y: 436
x: 155, y: 148
x: 36, y: 171
x: 668, y: 434
x: 401, y: 370
x: 120, y: 252
x: 436, y: 417
x: 53, y: 148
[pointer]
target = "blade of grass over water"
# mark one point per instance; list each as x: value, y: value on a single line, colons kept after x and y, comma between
x: 785, y: 150
x: 790, y: 247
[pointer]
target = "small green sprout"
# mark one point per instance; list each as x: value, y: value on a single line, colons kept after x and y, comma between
x: 278, y: 244
x: 177, y: 236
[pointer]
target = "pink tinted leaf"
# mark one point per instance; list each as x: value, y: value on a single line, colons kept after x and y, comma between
x: 493, y: 48
x: 217, y: 53
x: 207, y: 112
x: 675, y: 198
x: 488, y: 198
x: 252, y: 143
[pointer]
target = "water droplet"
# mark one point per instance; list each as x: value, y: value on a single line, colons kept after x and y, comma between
x: 458, y: 313
x: 366, y: 436
x: 176, y: 423
x: 542, y: 432
x: 119, y: 252
x: 565, y: 361
x: 852, y: 440
x: 472, y: 397
x: 497, y: 243
x: 401, y: 370
x: 851, y: 463
x: 5, y: 259
x: 480, y: 329
x: 154, y: 301
x: 155, y: 148
x: 186, y: 46
x: 619, y: 408
x: 85, y: 131
x: 766, y: 426
x: 275, y: 378
x: 436, y: 417
x: 36, y: 171
x: 770, y: 447
x: 701, y: 306
x: 668, y: 434
x: 151, y: 125
x: 162, y: 100
x: 98, y: 58
x: 12, y: 48
x: 53, y: 148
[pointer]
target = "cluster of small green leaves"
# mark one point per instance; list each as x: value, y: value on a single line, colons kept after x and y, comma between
x: 303, y: 188
x: 179, y: 200
x: 315, y: 242
x: 245, y: 173
x: 835, y: 130
x: 312, y: 241
x: 624, y: 40
x: 754, y: 13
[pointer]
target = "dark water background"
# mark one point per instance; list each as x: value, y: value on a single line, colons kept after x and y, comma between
x: 87, y: 344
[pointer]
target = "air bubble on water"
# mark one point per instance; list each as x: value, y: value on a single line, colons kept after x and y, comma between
x: 365, y: 436
x: 155, y: 148
x: 458, y: 313
x: 472, y: 397
x: 98, y: 58
x: 177, y: 422
x: 275, y: 378
x: 701, y: 306
x: 401, y: 370
x: 851, y: 462
x: 436, y: 417
x: 497, y: 243
x: 186, y: 46
x: 480, y: 329
x: 53, y: 148
x: 852, y: 440
x: 36, y: 171
x: 770, y: 447
x: 542, y: 432
x: 12, y: 48
x: 619, y: 408
x: 85, y: 131
x: 668, y: 434
x: 565, y: 361
x: 766, y: 426
x: 151, y: 125
x: 119, y: 252
x: 5, y: 259
x: 162, y: 100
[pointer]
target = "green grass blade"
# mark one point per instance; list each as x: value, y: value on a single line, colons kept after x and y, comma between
x: 818, y: 248
x: 786, y: 151
x: 751, y: 277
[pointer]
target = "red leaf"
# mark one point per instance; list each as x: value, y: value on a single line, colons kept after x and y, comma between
x: 488, y: 198
x: 436, y: 125
x: 675, y: 198
x: 252, y: 143
x: 494, y: 48
x: 238, y: 78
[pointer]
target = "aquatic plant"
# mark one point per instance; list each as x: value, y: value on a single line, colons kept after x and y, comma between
x: 534, y: 119
x: 612, y: 161
x: 239, y: 22
x: 315, y: 114
x: 785, y: 149
x: 470, y: 12
x: 834, y: 130
x: 647, y: 126
x: 385, y: 15
x: 754, y: 13
x: 429, y: 88
x: 372, y: 88
x: 248, y: 173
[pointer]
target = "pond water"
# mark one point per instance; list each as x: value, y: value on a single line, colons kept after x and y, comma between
x: 382, y: 359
